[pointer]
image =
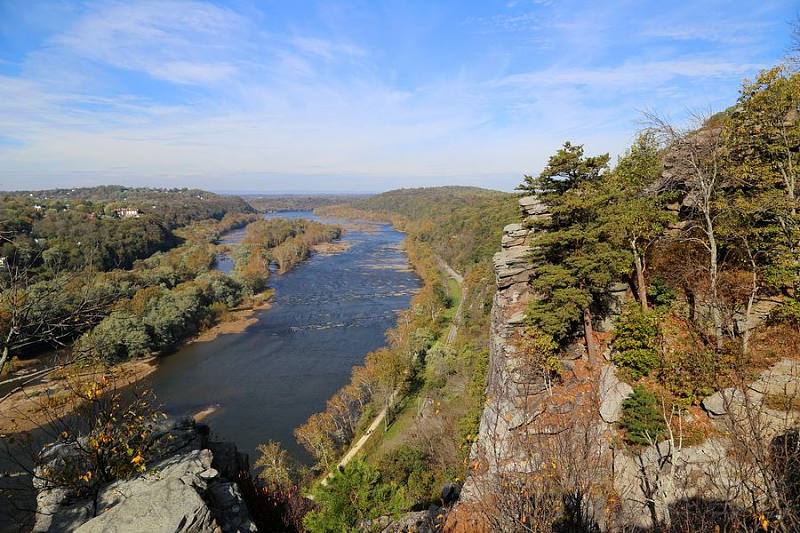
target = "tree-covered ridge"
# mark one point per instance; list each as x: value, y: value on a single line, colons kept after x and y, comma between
x: 298, y: 202
x: 101, y: 228
x: 462, y: 224
x: 174, y: 207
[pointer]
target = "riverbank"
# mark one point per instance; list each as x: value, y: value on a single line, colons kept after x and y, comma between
x: 236, y: 320
x: 31, y: 406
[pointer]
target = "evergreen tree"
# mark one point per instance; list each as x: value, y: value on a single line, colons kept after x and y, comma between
x: 575, y: 262
x: 352, y: 496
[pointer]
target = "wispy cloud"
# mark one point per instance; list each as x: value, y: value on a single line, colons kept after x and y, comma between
x: 189, y: 92
x: 177, y: 41
x: 630, y: 75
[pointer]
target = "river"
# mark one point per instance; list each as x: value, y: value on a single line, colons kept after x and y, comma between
x: 327, y: 314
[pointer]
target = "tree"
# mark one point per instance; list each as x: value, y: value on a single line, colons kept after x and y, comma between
x: 51, y: 312
x: 697, y: 158
x: 636, y: 215
x: 642, y: 417
x: 574, y: 261
x: 316, y: 437
x: 351, y: 497
x: 277, y: 469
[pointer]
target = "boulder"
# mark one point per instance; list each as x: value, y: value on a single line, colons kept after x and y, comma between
x: 428, y: 521
x: 782, y: 378
x: 184, y: 490
x: 168, y: 506
x: 612, y: 393
x: 719, y: 403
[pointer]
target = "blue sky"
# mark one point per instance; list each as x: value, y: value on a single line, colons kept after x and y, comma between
x: 273, y: 96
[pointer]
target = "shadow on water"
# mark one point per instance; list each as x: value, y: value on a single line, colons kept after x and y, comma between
x: 327, y: 314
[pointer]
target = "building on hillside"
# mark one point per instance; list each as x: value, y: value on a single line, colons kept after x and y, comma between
x: 127, y: 212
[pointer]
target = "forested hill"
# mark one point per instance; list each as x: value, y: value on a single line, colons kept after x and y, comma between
x: 462, y: 224
x: 108, y: 227
x: 174, y: 207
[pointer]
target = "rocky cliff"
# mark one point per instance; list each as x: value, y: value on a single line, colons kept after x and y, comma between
x: 190, y: 488
x: 541, y: 433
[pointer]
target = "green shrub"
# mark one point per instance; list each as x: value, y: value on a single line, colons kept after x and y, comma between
x: 642, y: 418
x: 787, y: 313
x: 692, y: 375
x: 352, y: 496
x: 635, y: 336
x: 410, y: 467
x: 661, y: 294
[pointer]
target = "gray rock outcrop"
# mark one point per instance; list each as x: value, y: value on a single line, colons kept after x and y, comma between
x: 182, y: 491
x: 612, y: 393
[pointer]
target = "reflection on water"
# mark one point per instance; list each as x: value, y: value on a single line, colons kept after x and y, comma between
x: 327, y: 314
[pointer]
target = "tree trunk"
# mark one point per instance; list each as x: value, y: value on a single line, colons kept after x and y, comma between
x: 588, y: 331
x: 716, y: 316
x: 749, y: 309
x: 641, y: 287
x: 3, y: 359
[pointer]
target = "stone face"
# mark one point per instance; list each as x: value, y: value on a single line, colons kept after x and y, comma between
x: 612, y: 393
x: 180, y: 492
x: 512, y: 265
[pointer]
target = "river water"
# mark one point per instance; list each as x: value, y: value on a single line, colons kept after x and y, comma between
x: 327, y: 314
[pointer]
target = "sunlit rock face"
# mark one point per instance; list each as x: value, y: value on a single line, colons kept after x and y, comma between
x: 190, y: 488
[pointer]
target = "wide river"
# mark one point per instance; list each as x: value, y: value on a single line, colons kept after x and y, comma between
x: 326, y: 315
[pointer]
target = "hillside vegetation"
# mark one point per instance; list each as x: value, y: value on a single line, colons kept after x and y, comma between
x: 431, y: 389
x: 461, y: 224
x: 656, y: 366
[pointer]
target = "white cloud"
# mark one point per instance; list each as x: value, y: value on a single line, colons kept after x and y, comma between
x: 243, y: 103
x: 629, y: 75
x: 178, y: 41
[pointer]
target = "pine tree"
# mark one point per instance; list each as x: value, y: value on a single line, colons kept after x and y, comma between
x: 575, y: 262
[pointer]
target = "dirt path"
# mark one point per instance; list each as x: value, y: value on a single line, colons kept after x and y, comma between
x: 376, y: 422
x: 451, y: 334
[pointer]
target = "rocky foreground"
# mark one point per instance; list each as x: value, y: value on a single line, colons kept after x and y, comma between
x: 191, y: 488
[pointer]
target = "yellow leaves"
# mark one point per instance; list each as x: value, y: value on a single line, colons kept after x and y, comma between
x: 763, y: 522
x: 87, y: 477
x: 137, y: 459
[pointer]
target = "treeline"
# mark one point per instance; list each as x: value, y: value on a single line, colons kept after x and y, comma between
x: 462, y: 224
x: 283, y: 241
x: 167, y: 297
x: 38, y: 311
x: 298, y: 202
x: 80, y: 228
